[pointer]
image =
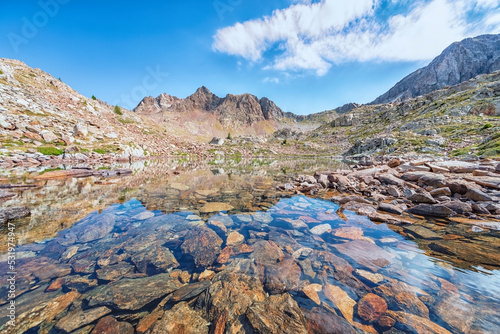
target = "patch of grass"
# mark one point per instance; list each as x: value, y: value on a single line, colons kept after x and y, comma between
x: 491, y: 147
x: 1, y: 72
x: 460, y: 151
x: 103, y: 168
x: 49, y: 170
x: 126, y: 121
x: 486, y: 126
x: 31, y: 113
x: 118, y: 110
x: 100, y: 151
x: 50, y: 150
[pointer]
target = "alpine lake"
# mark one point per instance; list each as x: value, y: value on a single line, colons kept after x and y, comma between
x: 183, y: 246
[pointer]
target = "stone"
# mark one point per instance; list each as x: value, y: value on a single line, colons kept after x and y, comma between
x: 422, y: 232
x: 349, y: 232
x: 206, y: 275
x: 341, y: 300
x: 109, y: 325
x: 80, y: 318
x: 10, y: 214
x: 234, y: 239
x: 394, y: 191
x: 393, y: 163
x: 390, y: 208
x: 320, y: 229
x: 132, y: 294
x: 433, y: 180
x: 414, y: 324
x: 366, y: 254
x: 101, y: 225
x: 422, y: 198
x: 445, y: 191
x: 216, y: 207
x: 477, y: 195
x: 217, y: 141
x: 79, y: 283
x: 390, y: 179
x: 311, y: 291
x: 435, y: 210
x: 458, y: 206
x: 44, y: 312
x: 154, y: 256
x: 203, y: 244
x: 190, y: 291
x: 114, y: 272
x: 320, y: 321
x: 402, y: 297
x: 50, y: 271
x: 48, y: 136
x: 371, y: 307
x: 80, y: 130
x: 266, y: 252
x: 282, y: 276
x: 278, y: 314
x: 368, y: 276
x: 181, y: 319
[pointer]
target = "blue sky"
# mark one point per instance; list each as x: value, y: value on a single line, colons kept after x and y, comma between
x: 307, y: 56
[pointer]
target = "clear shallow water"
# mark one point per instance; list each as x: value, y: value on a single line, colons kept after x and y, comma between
x: 130, y: 258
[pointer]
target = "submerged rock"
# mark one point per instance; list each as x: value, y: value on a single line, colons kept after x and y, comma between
x: 203, y: 244
x: 181, y: 319
x: 110, y: 325
x: 278, y: 314
x: 366, y: 254
x: 132, y: 294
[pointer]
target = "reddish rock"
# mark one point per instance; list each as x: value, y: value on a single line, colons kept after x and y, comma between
x: 234, y: 239
x: 366, y: 254
x: 282, y: 276
x: 371, y: 307
x: 203, y: 244
x: 109, y: 325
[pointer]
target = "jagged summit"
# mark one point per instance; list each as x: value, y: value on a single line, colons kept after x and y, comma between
x: 244, y: 109
x: 460, y: 62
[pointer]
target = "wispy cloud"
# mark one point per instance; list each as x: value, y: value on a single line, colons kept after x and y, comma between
x: 312, y: 36
x: 271, y: 80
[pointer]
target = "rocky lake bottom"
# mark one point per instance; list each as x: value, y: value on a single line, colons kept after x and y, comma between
x: 185, y: 247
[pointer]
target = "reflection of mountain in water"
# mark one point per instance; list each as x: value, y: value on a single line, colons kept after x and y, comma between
x: 166, y: 185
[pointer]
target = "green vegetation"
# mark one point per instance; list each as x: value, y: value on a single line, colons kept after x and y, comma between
x: 125, y: 121
x: 49, y: 170
x: 486, y: 126
x: 50, y: 150
x: 100, y: 151
x: 31, y: 113
x: 118, y: 110
x: 491, y: 147
x: 1, y: 72
x: 94, y: 98
x: 284, y: 142
x: 229, y: 136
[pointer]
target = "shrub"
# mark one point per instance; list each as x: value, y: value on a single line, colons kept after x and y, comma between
x: 50, y: 150
x: 118, y: 110
x: 284, y: 142
x: 94, y: 98
x: 229, y: 136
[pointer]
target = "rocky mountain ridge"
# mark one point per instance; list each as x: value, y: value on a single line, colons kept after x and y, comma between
x: 460, y: 62
x: 237, y: 110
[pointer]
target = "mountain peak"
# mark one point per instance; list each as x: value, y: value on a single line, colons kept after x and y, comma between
x: 459, y: 62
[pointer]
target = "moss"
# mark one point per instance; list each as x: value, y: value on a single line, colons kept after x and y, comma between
x: 50, y: 150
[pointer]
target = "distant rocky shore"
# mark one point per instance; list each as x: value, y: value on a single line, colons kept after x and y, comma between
x: 395, y: 190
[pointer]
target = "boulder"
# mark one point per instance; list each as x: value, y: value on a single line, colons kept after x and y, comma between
x: 371, y: 307
x: 432, y: 210
x: 181, y: 319
x: 110, y: 325
x: 477, y: 195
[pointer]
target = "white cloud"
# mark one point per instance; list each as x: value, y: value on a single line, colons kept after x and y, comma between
x: 271, y: 80
x: 313, y: 36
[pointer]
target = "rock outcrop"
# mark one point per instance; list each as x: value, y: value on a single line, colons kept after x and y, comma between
x: 460, y: 62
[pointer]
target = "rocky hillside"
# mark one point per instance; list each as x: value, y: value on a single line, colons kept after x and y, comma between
x: 457, y: 121
x: 460, y: 62
x: 42, y: 117
x: 234, y: 111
